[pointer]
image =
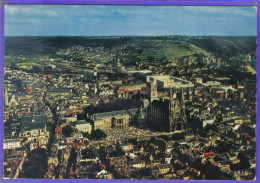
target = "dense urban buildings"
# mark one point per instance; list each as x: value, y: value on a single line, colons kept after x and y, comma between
x: 112, y: 111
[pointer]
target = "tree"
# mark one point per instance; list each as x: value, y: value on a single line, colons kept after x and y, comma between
x: 211, y: 127
x: 36, y: 69
x: 244, y: 162
x: 178, y: 136
x: 223, y: 147
x: 98, y: 134
x: 219, y: 118
x: 86, y: 134
x: 47, y: 70
x: 119, y: 150
x: 67, y: 131
x: 37, y: 165
x: 195, y: 123
x: 90, y: 110
x: 18, y: 83
x: 14, y: 67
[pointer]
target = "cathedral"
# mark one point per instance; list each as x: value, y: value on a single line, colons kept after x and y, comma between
x: 166, y: 111
x: 10, y: 102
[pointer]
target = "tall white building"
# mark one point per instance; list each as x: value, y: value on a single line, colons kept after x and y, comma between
x: 11, y: 144
x: 84, y: 126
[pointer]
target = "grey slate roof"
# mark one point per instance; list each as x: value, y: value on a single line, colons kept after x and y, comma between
x: 40, y: 118
x: 26, y: 119
x: 31, y: 126
x: 37, y: 117
x: 81, y: 122
x: 116, y: 113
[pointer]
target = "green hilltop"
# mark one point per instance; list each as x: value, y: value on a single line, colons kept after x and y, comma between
x: 169, y: 49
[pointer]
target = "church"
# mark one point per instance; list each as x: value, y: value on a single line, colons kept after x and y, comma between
x: 166, y: 111
x: 10, y: 101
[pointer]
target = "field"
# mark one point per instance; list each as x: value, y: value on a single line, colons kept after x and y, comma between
x: 21, y: 63
x: 168, y: 49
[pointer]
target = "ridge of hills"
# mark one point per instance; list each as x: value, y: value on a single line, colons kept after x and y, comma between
x: 158, y: 50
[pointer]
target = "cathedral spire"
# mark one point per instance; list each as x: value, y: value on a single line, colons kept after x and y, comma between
x: 183, y: 113
x: 6, y: 98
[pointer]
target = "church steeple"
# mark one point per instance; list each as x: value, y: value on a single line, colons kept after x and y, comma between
x: 6, y: 98
x: 153, y: 90
x: 183, y: 113
x: 177, y: 115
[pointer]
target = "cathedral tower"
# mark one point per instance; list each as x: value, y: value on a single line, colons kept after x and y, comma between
x: 152, y: 91
x: 6, y: 98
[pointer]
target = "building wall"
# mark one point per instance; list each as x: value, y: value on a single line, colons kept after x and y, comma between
x: 158, y: 115
x: 166, y: 81
x: 84, y: 127
x: 103, y: 124
x: 165, y: 115
x: 112, y: 122
x: 33, y: 133
x: 133, y: 87
x: 119, y: 121
x: 11, y: 144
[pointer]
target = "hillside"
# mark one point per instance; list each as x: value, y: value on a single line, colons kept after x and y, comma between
x: 151, y: 50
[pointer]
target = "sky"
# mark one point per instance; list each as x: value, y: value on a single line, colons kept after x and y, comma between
x: 119, y: 20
